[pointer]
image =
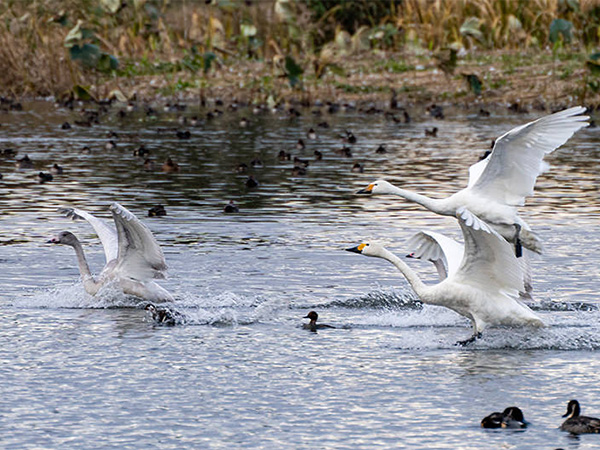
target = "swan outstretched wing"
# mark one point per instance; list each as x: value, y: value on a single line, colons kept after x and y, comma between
x: 489, y: 262
x: 140, y: 257
x: 107, y: 234
x: 434, y: 246
x: 508, y: 174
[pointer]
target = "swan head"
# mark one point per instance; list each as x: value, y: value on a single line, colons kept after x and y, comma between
x: 573, y: 409
x: 368, y: 249
x: 65, y: 238
x: 378, y: 187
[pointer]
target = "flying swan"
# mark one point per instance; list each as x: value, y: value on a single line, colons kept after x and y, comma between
x: 133, y: 257
x: 501, y: 182
x: 485, y: 288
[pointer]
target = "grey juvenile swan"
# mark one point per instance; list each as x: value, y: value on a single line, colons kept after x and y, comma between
x: 133, y: 257
x: 500, y: 183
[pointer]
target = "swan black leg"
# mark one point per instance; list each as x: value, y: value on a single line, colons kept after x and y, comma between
x: 469, y: 341
x: 518, y: 246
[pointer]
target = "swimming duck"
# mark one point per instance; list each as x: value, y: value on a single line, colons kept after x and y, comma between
x: 511, y: 417
x: 242, y: 168
x: 251, y: 182
x: 170, y: 166
x: 256, y: 163
x: 577, y: 424
x: 298, y: 171
x: 311, y: 134
x: 148, y: 165
x: 163, y: 315
x: 300, y: 144
x: 432, y: 132
x: 157, y: 211
x: 357, y: 168
x: 435, y: 111
x: 185, y: 134
x: 300, y: 162
x: 56, y: 169
x: 243, y: 122
x: 344, y: 151
x: 313, y: 325
x: 323, y: 124
x: 141, y: 151
x: 318, y: 155
x: 381, y: 149
x: 65, y: 126
x: 283, y: 155
x: 349, y: 138
x: 24, y: 163
x: 231, y: 207
x: 43, y: 177
x: 110, y: 145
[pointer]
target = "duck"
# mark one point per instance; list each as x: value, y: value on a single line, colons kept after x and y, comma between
x: 163, y: 315
x: 318, y: 155
x: 577, y: 424
x: 357, y: 168
x: 323, y: 124
x: 133, y: 256
x: 243, y: 122
x: 436, y: 111
x: 141, y: 151
x: 283, y: 155
x: 44, y: 177
x: 511, y: 417
x: 157, y: 211
x: 431, y: 132
x: 148, y: 165
x: 300, y: 145
x: 311, y: 134
x: 110, y: 145
x: 501, y: 182
x: 231, y: 207
x: 301, y: 162
x: 242, y: 168
x: 345, y: 151
x: 349, y: 137
x: 298, y: 171
x: 183, y: 134
x: 170, y: 166
x: 56, y: 169
x: 24, y: 163
x: 251, y: 182
x: 381, y: 149
x: 313, y: 325
x: 65, y: 126
x: 256, y: 163
x: 485, y: 288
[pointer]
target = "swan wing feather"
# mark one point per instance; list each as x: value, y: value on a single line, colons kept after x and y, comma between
x: 140, y: 256
x: 489, y: 262
x: 106, y: 233
x: 508, y: 174
x: 433, y: 246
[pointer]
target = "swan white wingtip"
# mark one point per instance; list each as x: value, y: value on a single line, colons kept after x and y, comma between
x: 70, y: 213
x: 121, y: 211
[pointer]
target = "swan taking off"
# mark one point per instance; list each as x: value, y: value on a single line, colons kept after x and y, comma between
x: 501, y: 182
x: 485, y: 288
x: 133, y: 257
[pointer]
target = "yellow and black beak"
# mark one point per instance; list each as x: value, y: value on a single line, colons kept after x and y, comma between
x: 357, y: 249
x: 368, y: 190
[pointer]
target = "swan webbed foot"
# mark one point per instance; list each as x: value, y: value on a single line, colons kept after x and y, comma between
x: 518, y: 245
x: 469, y: 341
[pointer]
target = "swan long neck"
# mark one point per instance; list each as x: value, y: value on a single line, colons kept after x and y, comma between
x: 89, y: 283
x: 410, y: 275
x: 431, y: 204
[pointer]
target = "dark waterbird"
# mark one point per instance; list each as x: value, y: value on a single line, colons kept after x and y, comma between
x: 577, y: 424
x: 313, y: 325
x: 157, y: 211
x: 511, y: 417
x: 231, y: 207
x: 163, y: 315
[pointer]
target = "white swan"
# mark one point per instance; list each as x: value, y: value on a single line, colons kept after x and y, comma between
x: 445, y: 253
x: 501, y: 182
x: 133, y: 257
x: 485, y: 288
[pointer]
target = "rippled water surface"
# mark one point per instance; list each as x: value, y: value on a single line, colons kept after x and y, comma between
x: 83, y: 372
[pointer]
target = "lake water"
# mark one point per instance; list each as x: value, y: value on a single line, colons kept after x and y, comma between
x: 83, y: 372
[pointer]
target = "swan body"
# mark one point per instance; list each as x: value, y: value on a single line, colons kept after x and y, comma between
x: 485, y: 288
x: 499, y: 183
x: 133, y: 256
